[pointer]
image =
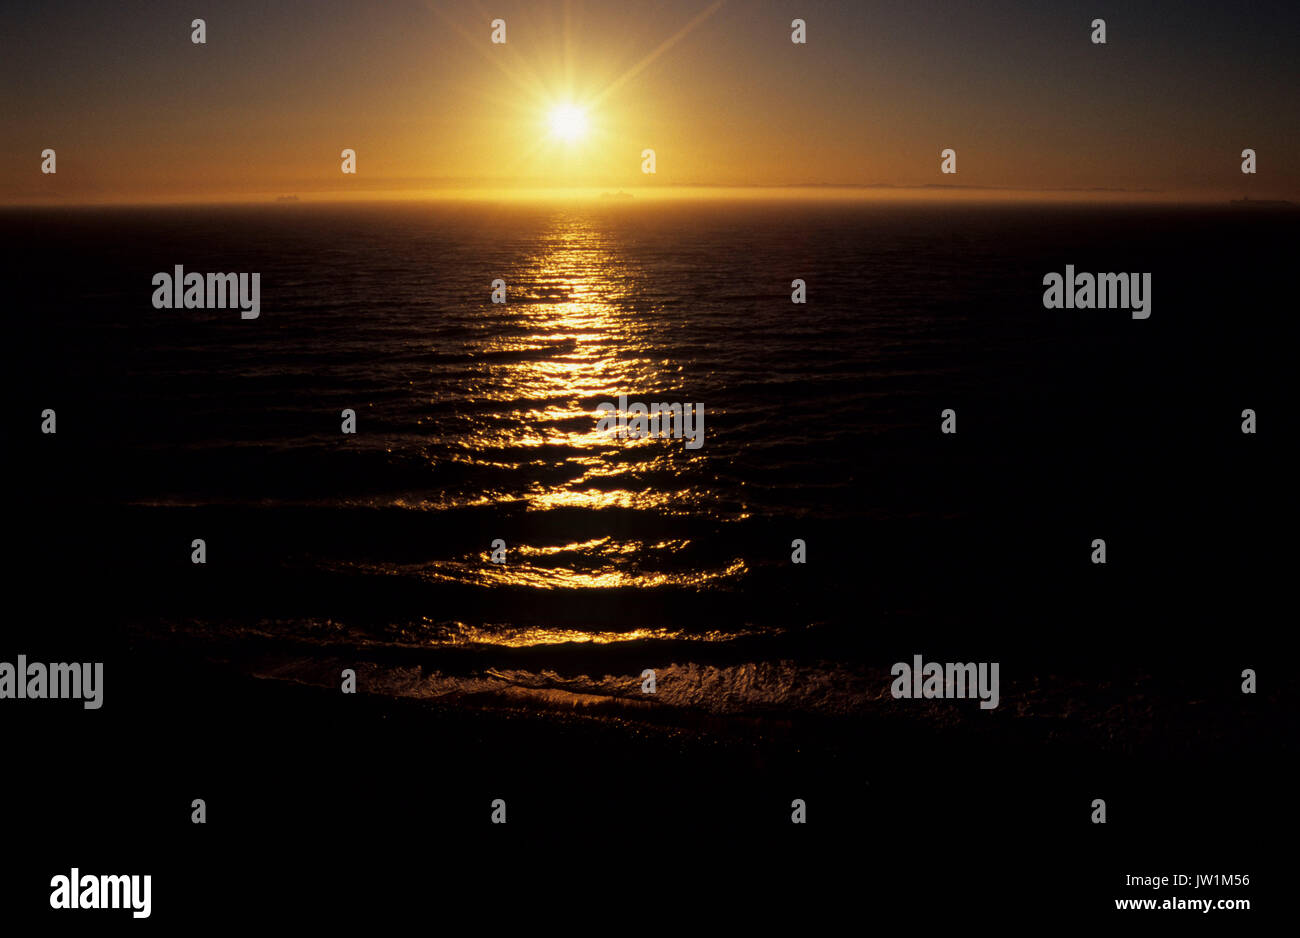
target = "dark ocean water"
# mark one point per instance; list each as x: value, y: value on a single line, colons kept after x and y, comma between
x: 478, y: 421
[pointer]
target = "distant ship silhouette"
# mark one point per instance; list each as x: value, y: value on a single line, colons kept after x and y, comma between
x: 1262, y: 203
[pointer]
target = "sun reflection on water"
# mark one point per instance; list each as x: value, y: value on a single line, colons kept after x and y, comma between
x: 574, y: 332
x: 571, y: 300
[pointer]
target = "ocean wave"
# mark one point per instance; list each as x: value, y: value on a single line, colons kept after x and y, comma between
x: 750, y: 687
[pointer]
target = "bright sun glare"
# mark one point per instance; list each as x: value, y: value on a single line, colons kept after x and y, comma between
x: 568, y: 122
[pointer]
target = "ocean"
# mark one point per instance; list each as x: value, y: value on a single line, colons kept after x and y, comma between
x: 483, y: 687
x: 476, y: 422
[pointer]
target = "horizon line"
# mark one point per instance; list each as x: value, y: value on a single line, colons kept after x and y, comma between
x: 881, y: 192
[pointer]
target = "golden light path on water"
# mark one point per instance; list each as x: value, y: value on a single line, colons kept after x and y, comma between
x: 571, y: 299
x: 527, y: 637
x: 473, y: 569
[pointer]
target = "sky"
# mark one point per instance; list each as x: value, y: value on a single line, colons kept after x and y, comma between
x: 137, y: 112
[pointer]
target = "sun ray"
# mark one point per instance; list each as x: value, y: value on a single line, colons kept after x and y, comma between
x: 660, y: 50
x: 566, y: 111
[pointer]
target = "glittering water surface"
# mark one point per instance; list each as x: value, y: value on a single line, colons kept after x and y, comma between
x: 478, y: 421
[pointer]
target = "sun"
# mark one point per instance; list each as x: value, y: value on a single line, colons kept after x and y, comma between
x: 569, y: 123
